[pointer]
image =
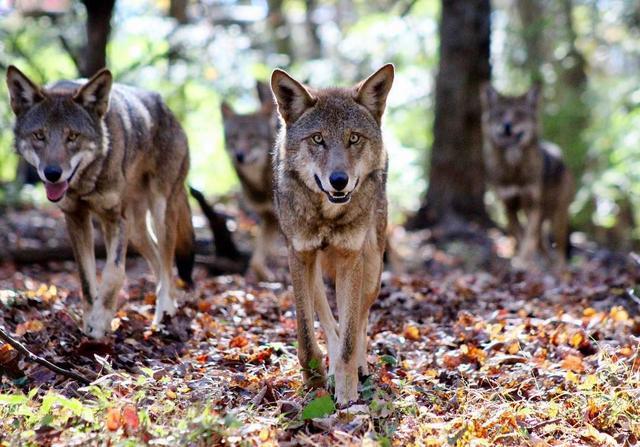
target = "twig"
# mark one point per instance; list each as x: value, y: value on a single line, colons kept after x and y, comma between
x: 70, y: 51
x: 543, y: 423
x: 40, y: 360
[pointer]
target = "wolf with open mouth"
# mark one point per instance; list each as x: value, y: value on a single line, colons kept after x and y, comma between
x: 118, y: 153
x: 330, y: 193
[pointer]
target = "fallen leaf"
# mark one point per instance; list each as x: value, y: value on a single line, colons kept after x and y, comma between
x: 114, y: 419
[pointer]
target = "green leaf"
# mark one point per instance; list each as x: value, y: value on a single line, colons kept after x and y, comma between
x: 319, y: 407
x: 12, y: 399
x: 314, y: 364
x: 388, y: 360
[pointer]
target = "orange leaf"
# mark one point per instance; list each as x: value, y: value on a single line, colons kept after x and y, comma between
x: 573, y: 363
x: 130, y: 417
x: 150, y: 298
x: 411, y: 333
x: 29, y: 326
x: 451, y: 361
x: 239, y: 341
x: 114, y: 419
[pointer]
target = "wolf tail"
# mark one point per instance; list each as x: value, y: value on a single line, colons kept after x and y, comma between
x: 185, y: 240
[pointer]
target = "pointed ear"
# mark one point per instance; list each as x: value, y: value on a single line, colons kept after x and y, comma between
x: 292, y: 97
x: 372, y: 92
x: 23, y: 92
x: 533, y: 96
x: 264, y: 92
x: 94, y: 95
x: 488, y: 95
x: 226, y: 110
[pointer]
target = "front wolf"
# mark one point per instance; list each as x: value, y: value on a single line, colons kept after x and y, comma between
x: 249, y: 140
x: 528, y: 174
x: 330, y: 181
x: 118, y: 153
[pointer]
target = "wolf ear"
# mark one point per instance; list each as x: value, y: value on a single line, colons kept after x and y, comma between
x: 292, y: 97
x: 226, y: 110
x: 488, y: 94
x: 94, y: 95
x: 266, y: 98
x: 23, y: 92
x: 372, y: 92
x: 533, y: 95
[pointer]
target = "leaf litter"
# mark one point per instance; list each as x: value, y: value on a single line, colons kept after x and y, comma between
x: 458, y: 357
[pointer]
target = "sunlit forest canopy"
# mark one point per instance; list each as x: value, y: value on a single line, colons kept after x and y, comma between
x: 584, y: 52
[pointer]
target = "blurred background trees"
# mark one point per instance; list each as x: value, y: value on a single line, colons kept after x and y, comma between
x: 196, y: 52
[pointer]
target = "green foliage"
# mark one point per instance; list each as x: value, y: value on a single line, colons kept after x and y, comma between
x: 319, y: 407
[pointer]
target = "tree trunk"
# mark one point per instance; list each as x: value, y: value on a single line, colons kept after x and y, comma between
x: 99, y: 14
x: 279, y: 28
x: 315, y: 45
x: 178, y: 10
x: 533, y: 21
x: 456, y: 175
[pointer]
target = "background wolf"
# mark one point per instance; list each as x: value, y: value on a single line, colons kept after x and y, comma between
x: 527, y: 173
x: 249, y: 140
x: 120, y: 154
x: 330, y: 181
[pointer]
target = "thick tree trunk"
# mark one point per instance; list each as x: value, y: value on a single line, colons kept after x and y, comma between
x: 456, y: 174
x: 178, y: 10
x: 99, y: 14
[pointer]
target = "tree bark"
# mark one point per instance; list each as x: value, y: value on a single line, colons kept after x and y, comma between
x: 456, y: 174
x: 178, y: 10
x: 99, y: 14
x: 315, y: 45
x: 279, y: 28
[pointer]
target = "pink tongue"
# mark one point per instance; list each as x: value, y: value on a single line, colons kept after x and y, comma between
x: 55, y: 191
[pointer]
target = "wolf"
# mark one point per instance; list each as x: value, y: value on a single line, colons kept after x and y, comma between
x: 118, y: 153
x: 528, y: 174
x: 330, y: 174
x: 249, y: 141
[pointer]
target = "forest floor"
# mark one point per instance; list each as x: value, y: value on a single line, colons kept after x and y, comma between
x: 459, y: 356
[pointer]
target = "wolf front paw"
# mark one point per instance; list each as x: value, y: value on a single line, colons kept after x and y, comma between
x: 97, y: 321
x: 346, y: 386
x: 262, y: 272
x: 164, y: 307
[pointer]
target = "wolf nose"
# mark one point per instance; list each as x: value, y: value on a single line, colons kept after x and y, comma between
x: 507, y: 129
x: 240, y: 157
x: 339, y: 180
x: 53, y: 173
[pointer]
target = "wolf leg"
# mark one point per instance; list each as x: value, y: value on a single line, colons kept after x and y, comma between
x: 560, y: 231
x: 373, y: 264
x: 267, y: 233
x: 513, y: 223
x: 164, y: 226
x: 349, y: 293
x: 80, y: 231
x: 303, y: 266
x: 325, y: 315
x: 98, y: 320
x: 140, y: 236
x: 530, y: 242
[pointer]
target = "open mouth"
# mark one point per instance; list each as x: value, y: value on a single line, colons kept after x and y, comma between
x: 55, y: 191
x: 338, y: 196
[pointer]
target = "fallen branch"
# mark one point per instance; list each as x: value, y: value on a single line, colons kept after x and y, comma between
x: 40, y: 360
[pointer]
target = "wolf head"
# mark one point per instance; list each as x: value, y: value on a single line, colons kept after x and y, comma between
x: 249, y: 137
x: 60, y: 130
x: 332, y: 138
x: 510, y: 122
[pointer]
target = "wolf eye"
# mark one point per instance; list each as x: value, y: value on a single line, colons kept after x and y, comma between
x: 317, y: 138
x: 38, y: 135
x: 354, y: 138
x: 72, y: 136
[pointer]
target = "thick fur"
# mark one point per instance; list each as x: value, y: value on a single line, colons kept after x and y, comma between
x: 342, y: 232
x: 123, y: 157
x: 249, y: 140
x: 528, y: 174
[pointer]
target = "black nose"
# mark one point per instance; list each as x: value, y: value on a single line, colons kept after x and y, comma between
x: 338, y: 180
x: 53, y: 173
x: 240, y: 157
x: 507, y: 129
